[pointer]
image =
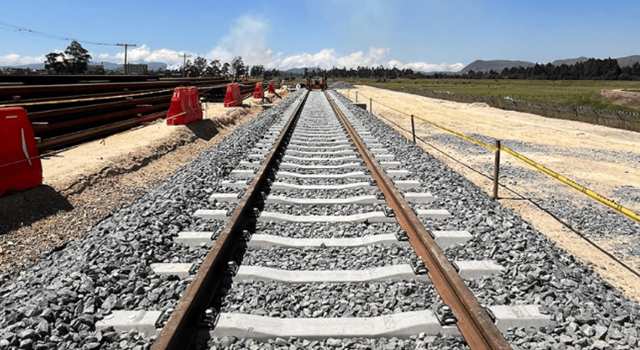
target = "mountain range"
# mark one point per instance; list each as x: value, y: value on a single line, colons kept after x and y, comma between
x: 499, y: 65
x: 476, y: 66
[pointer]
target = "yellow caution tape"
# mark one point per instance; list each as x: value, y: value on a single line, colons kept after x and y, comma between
x: 543, y: 169
x: 461, y: 135
x: 567, y: 181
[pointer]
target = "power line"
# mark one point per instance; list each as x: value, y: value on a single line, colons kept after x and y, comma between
x: 16, y: 28
x: 21, y: 29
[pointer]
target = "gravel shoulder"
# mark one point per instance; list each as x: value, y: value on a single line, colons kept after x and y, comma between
x: 56, y: 301
x: 85, y: 184
x: 588, y: 312
x: 602, y: 158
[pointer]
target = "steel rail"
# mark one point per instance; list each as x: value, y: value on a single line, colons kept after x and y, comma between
x: 82, y: 135
x: 473, y: 321
x: 61, y: 100
x: 65, y: 89
x: 113, y: 105
x: 179, y: 330
x: 72, y: 78
x: 44, y: 128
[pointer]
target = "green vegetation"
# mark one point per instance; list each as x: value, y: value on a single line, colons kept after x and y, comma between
x: 580, y: 100
x: 568, y: 93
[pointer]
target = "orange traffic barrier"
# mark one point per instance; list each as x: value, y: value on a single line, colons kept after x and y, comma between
x: 185, y: 106
x: 258, y: 92
x: 20, y: 167
x: 232, y: 97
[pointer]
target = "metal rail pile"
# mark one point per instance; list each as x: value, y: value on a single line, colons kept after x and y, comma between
x: 69, y: 113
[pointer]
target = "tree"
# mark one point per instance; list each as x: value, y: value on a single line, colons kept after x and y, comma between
x: 200, y: 65
x: 237, y: 67
x: 55, y: 63
x: 76, y: 58
x: 213, y: 69
x: 226, y: 69
x: 190, y: 70
x: 256, y: 71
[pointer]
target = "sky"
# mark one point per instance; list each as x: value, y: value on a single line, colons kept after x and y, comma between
x: 425, y: 35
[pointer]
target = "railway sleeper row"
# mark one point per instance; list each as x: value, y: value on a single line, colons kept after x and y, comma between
x: 321, y: 173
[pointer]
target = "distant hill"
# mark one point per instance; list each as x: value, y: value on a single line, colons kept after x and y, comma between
x: 628, y: 60
x: 569, y: 61
x: 495, y: 65
x: 118, y: 66
x: 26, y: 66
x: 499, y: 65
x: 622, y: 61
x: 110, y: 66
x: 299, y: 71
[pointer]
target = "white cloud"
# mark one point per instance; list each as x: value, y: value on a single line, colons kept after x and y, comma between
x: 327, y: 58
x: 14, y: 59
x: 247, y: 38
x: 427, y: 67
x: 144, y: 54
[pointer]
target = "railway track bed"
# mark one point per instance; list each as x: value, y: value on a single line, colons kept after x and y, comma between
x: 322, y: 263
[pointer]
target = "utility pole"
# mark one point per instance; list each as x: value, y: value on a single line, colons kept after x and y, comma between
x: 184, y: 64
x: 126, y: 46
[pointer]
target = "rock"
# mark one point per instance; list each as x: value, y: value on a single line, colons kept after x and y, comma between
x: 92, y: 346
x: 27, y: 334
x: 565, y: 339
x: 26, y: 343
x: 600, y: 331
x: 333, y: 342
x: 600, y: 345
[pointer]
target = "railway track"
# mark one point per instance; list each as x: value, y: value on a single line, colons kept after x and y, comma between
x: 323, y: 218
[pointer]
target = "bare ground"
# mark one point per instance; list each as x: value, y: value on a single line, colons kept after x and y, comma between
x: 626, y: 98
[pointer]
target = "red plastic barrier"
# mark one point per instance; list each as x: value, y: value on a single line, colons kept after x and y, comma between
x: 258, y: 92
x: 232, y: 97
x: 271, y: 88
x: 185, y: 106
x: 20, y: 167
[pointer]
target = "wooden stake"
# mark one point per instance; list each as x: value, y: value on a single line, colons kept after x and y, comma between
x: 496, y: 170
x: 413, y: 129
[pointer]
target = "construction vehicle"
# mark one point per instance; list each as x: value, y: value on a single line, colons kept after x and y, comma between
x: 317, y: 83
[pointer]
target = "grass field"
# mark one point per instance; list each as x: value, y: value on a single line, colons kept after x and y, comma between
x: 563, y: 92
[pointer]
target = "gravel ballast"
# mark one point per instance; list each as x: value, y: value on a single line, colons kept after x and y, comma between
x: 588, y: 312
x: 58, y: 300
x: 330, y: 258
x: 365, y: 299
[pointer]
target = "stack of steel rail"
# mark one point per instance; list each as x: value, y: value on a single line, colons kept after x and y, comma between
x: 317, y: 161
x: 84, y: 108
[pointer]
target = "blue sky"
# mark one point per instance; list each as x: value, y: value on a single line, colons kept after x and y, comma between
x: 425, y: 35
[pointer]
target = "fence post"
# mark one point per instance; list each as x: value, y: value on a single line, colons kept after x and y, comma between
x: 413, y: 129
x: 496, y: 170
x: 370, y: 105
x: 356, y: 97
